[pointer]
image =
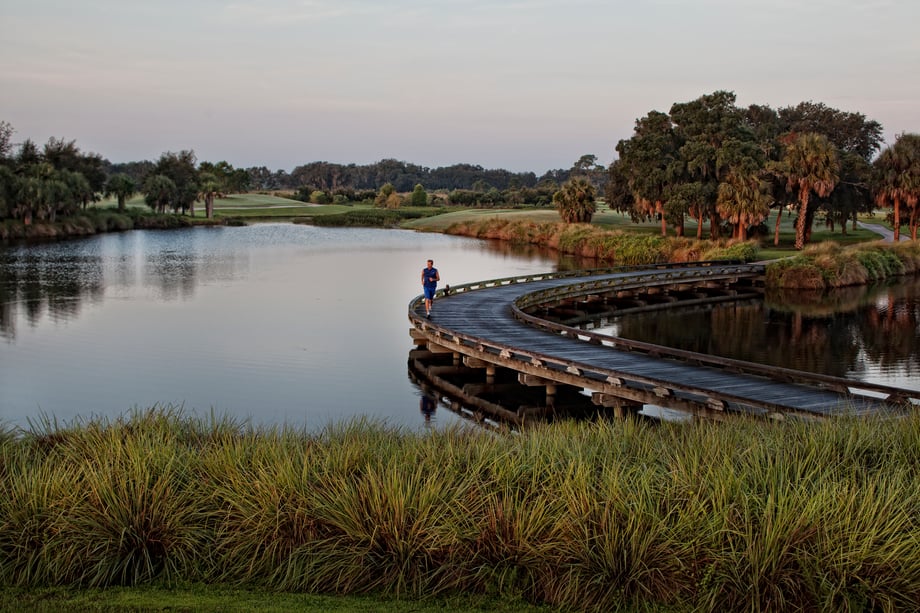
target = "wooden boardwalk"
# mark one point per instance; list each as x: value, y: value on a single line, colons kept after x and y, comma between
x: 485, y: 325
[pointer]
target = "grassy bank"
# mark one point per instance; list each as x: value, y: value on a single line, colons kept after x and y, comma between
x: 94, y: 221
x: 747, y: 515
x: 611, y: 246
x: 830, y: 265
x: 373, y: 217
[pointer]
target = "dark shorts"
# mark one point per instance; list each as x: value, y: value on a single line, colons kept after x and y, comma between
x: 429, y: 292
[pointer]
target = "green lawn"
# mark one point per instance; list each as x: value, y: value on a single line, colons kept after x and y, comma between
x: 252, y: 206
x: 206, y: 599
x: 267, y: 207
x: 619, y: 221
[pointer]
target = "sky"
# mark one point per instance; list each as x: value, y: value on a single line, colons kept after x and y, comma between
x: 519, y: 85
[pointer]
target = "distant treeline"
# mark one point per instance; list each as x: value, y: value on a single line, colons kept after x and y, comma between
x: 404, y: 176
x: 707, y: 159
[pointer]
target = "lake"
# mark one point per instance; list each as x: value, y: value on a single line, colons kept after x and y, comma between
x: 300, y: 325
x: 863, y: 333
x: 274, y: 323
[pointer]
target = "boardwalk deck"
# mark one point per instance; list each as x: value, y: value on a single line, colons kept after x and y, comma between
x: 483, y: 323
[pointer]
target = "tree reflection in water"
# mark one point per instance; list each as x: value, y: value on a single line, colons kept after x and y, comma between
x: 866, y: 333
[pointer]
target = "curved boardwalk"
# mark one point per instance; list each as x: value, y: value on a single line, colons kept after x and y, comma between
x: 482, y: 323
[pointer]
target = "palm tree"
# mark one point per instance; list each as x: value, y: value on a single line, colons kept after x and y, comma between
x: 208, y: 190
x: 575, y: 200
x: 122, y: 187
x: 30, y: 196
x: 159, y: 191
x: 62, y: 191
x: 79, y: 191
x: 9, y: 184
x: 810, y: 164
x: 742, y: 200
x: 897, y: 180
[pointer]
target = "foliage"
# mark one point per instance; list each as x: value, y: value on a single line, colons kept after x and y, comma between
x: 180, y: 169
x: 810, y: 165
x: 419, y: 196
x: 897, y: 181
x: 373, y: 218
x: 744, y: 251
x: 609, y: 246
x: 830, y: 265
x: 575, y: 201
x: 120, y: 186
x: 581, y: 516
x: 159, y: 192
x: 386, y: 191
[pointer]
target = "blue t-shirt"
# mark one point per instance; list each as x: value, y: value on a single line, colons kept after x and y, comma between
x: 431, y: 277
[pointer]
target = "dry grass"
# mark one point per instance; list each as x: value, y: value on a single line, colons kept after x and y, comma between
x: 830, y: 265
x: 741, y: 516
x: 608, y: 246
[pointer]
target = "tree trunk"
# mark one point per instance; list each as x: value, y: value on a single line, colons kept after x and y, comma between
x: 800, y: 221
x: 699, y: 226
x: 914, y: 221
x: 714, y: 223
x: 779, y: 218
x: 809, y: 224
x: 897, y: 219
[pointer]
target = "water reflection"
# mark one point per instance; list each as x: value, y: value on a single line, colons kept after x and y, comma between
x: 274, y: 322
x: 55, y: 279
x: 870, y: 334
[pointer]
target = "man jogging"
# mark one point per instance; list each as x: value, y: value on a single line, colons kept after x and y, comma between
x: 430, y: 278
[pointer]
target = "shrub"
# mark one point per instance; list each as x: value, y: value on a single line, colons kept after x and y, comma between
x: 744, y: 251
x: 319, y: 197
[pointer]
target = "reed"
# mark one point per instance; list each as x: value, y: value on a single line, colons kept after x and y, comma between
x: 746, y: 515
x: 828, y: 264
x: 614, y: 246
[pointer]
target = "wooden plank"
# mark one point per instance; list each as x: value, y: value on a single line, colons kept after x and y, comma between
x: 486, y: 315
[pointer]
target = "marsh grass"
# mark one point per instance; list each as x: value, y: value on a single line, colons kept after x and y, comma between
x: 593, y: 241
x: 831, y: 265
x: 746, y: 515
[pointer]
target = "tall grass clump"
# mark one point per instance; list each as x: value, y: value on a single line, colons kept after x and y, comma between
x: 828, y: 265
x: 611, y: 246
x: 732, y: 250
x: 739, y: 515
x: 370, y: 217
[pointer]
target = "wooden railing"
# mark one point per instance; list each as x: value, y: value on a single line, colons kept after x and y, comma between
x: 659, y: 274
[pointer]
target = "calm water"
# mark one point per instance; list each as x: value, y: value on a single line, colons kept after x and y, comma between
x: 283, y: 323
x: 277, y: 323
x: 867, y: 334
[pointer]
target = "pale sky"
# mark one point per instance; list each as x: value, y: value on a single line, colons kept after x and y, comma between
x: 519, y: 85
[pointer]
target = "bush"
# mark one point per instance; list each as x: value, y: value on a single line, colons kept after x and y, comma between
x: 319, y: 197
x: 843, y: 266
x: 372, y: 218
x: 746, y: 252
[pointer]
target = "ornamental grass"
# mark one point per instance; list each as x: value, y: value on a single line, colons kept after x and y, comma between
x: 741, y: 515
x: 830, y: 265
x: 612, y: 246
